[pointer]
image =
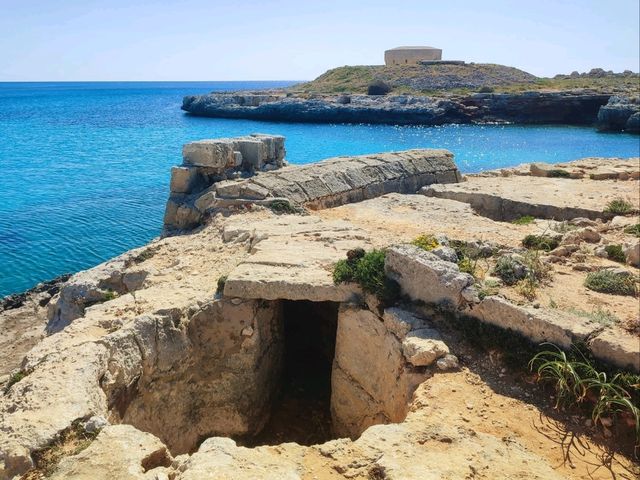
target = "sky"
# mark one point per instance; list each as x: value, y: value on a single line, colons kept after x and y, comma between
x: 110, y: 40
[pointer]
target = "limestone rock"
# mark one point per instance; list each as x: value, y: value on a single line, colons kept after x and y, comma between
x: 615, y: 115
x: 221, y: 459
x: 400, y: 322
x: 324, y: 184
x: 447, y: 254
x: 617, y: 347
x: 370, y: 383
x: 423, y: 276
x: 184, y: 179
x: 538, y: 325
x: 119, y: 452
x: 529, y: 107
x: 209, y: 153
x: 632, y: 252
x: 587, y: 234
x: 509, y: 198
x: 448, y: 362
x: 288, y: 262
x: 423, y: 347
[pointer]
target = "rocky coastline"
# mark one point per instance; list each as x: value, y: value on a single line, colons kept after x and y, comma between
x: 568, y: 108
x: 173, y: 361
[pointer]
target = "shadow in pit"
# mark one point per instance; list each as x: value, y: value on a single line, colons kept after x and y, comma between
x: 301, y: 410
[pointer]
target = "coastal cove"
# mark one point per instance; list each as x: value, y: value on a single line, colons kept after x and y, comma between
x: 84, y: 166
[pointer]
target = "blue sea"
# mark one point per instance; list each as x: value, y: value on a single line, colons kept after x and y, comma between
x: 84, y: 167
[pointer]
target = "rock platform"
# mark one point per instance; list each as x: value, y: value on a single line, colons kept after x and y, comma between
x: 177, y: 349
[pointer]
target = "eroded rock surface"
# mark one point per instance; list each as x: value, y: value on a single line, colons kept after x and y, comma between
x: 328, y: 183
x: 148, y: 343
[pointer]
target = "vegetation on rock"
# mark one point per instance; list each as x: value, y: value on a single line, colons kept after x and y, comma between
x: 615, y: 253
x: 69, y: 442
x: 619, y: 206
x: 367, y: 269
x: 540, y: 242
x: 509, y: 270
x: 558, y: 173
x: 525, y: 220
x: 577, y: 382
x: 284, y: 207
x: 445, y: 79
x: 633, y: 230
x: 15, y: 378
x: 109, y: 295
x: 378, y: 87
x: 426, y: 242
x: 221, y: 282
x: 598, y: 315
x: 610, y: 281
x: 145, y: 255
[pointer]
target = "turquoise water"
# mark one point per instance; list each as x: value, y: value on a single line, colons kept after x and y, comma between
x: 84, y: 167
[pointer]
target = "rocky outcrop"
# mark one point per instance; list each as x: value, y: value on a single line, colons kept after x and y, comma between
x: 427, y: 278
x: 579, y: 108
x: 373, y: 378
x: 501, y: 197
x: 620, y: 114
x: 120, y: 452
x: 160, y: 352
x: 328, y: 183
x: 287, y: 260
x: 23, y: 318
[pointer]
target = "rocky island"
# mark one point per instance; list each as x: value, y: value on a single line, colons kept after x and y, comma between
x: 438, y: 92
x: 377, y: 316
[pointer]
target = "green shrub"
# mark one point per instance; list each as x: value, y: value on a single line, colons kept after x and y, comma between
x: 486, y: 89
x: 15, y: 378
x: 367, y: 269
x: 608, y: 281
x: 558, y: 173
x: 509, y: 270
x: 619, y: 206
x: 283, y: 207
x: 146, y: 254
x: 615, y: 253
x: 109, y: 295
x: 467, y: 265
x: 221, y: 283
x: 633, y: 230
x: 526, y: 220
x: 378, y: 87
x: 487, y: 288
x: 540, y: 242
x: 426, y: 242
x: 563, y: 227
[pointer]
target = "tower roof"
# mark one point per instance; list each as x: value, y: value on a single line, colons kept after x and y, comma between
x: 414, y: 48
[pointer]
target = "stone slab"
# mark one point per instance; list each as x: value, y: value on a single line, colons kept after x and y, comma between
x: 509, y: 198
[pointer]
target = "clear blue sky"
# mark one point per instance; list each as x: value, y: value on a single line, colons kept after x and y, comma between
x: 298, y: 40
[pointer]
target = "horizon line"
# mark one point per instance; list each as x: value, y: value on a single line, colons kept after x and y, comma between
x: 144, y: 81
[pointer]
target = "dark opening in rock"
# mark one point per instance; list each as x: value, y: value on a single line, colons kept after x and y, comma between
x: 301, y: 408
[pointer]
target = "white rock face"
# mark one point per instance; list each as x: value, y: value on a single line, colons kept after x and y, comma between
x: 538, y: 325
x: 120, y: 452
x: 632, y: 252
x: 291, y: 258
x: 324, y: 184
x: 372, y: 381
x: 423, y: 276
x: 210, y: 153
x: 423, y: 347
